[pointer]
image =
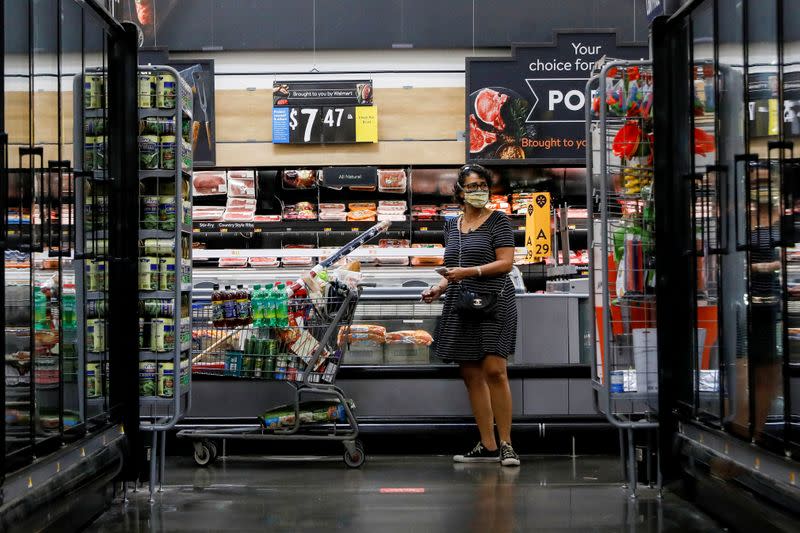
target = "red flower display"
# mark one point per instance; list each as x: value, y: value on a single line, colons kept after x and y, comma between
x: 626, y: 141
x: 704, y: 143
x: 633, y: 73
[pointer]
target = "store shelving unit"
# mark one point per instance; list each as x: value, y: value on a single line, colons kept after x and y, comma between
x: 160, y: 408
x: 622, y: 245
x: 165, y: 399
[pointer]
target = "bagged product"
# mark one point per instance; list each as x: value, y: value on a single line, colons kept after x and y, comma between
x: 361, y: 334
x: 416, y: 337
x: 310, y: 412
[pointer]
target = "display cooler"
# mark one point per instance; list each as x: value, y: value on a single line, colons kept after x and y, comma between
x: 62, y: 437
x: 726, y: 131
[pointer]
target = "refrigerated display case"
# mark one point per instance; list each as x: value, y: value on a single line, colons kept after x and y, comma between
x: 52, y: 440
x: 728, y: 175
x: 395, y: 378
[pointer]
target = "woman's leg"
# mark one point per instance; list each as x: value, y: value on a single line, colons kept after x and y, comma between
x: 479, y: 398
x: 496, y: 376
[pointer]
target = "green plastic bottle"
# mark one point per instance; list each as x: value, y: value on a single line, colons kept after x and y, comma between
x: 69, y: 317
x: 281, y: 306
x: 269, y: 305
x: 40, y: 310
x: 255, y: 305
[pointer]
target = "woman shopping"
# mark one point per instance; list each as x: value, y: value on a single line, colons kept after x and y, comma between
x: 478, y: 326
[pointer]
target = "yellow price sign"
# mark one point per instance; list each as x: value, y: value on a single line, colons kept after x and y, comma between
x: 538, y: 234
x: 366, y: 124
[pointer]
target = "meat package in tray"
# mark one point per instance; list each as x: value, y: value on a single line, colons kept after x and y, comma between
x: 393, y: 260
x: 242, y: 183
x: 424, y: 260
x: 208, y: 183
x: 393, y: 181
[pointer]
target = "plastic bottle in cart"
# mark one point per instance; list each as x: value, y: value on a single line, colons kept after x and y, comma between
x: 255, y: 306
x: 264, y: 301
x: 229, y: 305
x: 243, y: 311
x: 281, y: 306
x: 69, y: 318
x: 217, y: 308
x: 272, y: 305
x: 40, y: 310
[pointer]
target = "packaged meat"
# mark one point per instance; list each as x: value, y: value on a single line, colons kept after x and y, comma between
x: 232, y: 262
x: 392, y: 181
x: 300, y: 211
x: 393, y: 243
x: 332, y: 208
x: 363, y: 206
x: 392, y: 260
x: 332, y: 216
x: 424, y: 212
x: 368, y: 260
x: 427, y: 261
x: 209, y: 182
x: 241, y: 183
x: 207, y: 214
x: 362, y: 215
x: 363, y: 188
x: 392, y: 207
x: 241, y: 203
x: 391, y: 218
x: 299, y: 179
x: 298, y: 261
x: 416, y: 336
x: 450, y: 210
x: 267, y: 218
x: 264, y: 262
x: 238, y: 215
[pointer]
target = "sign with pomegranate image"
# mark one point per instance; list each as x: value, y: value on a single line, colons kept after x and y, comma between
x: 529, y: 108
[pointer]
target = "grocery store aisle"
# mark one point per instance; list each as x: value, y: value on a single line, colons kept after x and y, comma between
x: 422, y: 494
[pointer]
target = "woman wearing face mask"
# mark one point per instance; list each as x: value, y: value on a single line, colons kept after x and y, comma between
x: 479, y: 254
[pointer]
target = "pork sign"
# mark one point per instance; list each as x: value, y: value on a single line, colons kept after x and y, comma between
x: 529, y: 108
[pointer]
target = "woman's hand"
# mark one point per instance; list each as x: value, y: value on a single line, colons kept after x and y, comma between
x: 454, y: 275
x: 431, y: 294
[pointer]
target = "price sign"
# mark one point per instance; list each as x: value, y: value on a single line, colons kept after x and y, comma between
x: 318, y: 125
x: 538, y: 236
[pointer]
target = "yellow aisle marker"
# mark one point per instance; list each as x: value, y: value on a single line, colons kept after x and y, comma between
x: 538, y: 235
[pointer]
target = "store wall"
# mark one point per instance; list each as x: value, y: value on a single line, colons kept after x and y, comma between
x: 419, y: 95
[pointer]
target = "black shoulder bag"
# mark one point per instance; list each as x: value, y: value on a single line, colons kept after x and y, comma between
x: 473, y: 305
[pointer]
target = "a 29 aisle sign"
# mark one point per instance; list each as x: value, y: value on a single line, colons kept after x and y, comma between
x: 538, y: 235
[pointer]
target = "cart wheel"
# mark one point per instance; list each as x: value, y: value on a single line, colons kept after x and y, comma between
x: 202, y: 454
x: 356, y: 459
x: 213, y: 448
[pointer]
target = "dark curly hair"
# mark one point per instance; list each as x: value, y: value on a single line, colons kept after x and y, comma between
x: 479, y: 170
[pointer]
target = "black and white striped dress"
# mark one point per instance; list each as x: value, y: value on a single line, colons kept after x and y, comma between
x: 457, y: 339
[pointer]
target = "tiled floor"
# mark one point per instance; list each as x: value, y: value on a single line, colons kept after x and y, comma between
x: 425, y: 494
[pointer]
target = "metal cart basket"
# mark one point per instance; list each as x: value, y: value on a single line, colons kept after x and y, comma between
x: 303, y: 349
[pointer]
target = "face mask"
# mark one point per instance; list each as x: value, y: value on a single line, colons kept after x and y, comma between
x: 477, y: 198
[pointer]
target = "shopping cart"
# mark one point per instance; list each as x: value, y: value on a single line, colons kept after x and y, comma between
x: 304, y: 351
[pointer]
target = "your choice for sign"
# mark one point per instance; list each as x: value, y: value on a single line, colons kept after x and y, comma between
x: 530, y: 107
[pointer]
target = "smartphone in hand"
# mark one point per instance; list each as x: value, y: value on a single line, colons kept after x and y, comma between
x: 441, y: 271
